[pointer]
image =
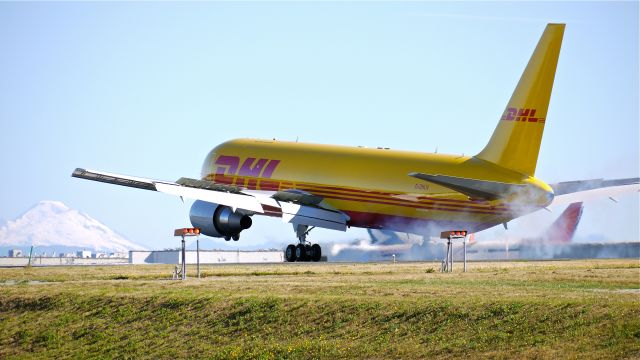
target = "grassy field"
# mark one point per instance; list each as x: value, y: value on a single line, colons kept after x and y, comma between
x: 558, y: 309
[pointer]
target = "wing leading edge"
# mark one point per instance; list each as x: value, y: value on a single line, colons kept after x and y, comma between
x: 219, y: 197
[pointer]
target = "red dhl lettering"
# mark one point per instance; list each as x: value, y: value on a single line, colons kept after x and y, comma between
x: 228, y: 166
x: 523, y: 114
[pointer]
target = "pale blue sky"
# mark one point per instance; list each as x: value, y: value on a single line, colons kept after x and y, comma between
x: 148, y: 89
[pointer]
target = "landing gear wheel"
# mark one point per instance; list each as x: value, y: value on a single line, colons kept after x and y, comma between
x: 301, y: 253
x: 290, y: 253
x: 307, y: 251
x: 316, y: 252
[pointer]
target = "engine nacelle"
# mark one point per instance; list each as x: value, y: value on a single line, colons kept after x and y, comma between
x: 218, y: 220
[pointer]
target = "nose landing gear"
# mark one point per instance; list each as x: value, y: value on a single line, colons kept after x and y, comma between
x: 304, y: 251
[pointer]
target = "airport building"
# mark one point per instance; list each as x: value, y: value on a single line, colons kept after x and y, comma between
x: 84, y: 254
x: 206, y: 256
x: 15, y: 253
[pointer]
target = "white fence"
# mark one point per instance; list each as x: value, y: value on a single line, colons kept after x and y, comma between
x: 51, y: 261
x: 206, y: 256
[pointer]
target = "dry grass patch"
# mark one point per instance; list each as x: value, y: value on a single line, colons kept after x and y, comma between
x: 586, y: 309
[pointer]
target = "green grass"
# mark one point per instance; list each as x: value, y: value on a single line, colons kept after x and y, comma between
x: 572, y: 309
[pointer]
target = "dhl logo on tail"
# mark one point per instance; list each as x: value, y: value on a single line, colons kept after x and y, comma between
x: 528, y: 115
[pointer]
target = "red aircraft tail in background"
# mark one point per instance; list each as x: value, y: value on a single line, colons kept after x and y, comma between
x: 563, y: 229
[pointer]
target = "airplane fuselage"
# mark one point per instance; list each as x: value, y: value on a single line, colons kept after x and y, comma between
x: 372, y: 185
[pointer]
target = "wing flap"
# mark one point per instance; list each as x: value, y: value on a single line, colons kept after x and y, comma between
x: 207, y: 185
x: 311, y: 216
x: 298, y: 197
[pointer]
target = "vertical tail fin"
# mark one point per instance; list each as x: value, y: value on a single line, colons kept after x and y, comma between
x: 565, y: 226
x: 515, y: 143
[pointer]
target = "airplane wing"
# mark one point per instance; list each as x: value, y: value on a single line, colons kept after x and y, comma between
x: 582, y: 190
x: 296, y: 208
x: 219, y: 196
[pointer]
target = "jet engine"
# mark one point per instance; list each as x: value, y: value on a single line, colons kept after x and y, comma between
x: 218, y: 220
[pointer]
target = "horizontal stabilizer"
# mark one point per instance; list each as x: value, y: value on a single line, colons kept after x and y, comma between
x: 473, y: 188
x: 569, y: 187
x: 584, y: 190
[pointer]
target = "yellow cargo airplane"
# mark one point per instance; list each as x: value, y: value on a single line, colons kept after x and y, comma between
x: 337, y: 187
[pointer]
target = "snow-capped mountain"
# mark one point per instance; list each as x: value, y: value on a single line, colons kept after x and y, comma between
x: 52, y: 223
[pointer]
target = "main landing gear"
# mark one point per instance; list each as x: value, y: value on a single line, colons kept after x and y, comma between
x: 304, y: 251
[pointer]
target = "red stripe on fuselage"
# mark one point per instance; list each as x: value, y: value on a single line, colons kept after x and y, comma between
x: 434, y: 207
x: 402, y: 202
x: 370, y: 192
